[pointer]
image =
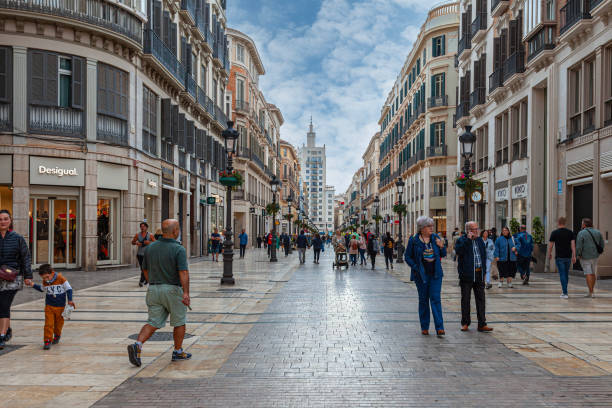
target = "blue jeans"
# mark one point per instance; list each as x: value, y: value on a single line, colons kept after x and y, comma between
x: 429, y: 293
x: 353, y: 258
x: 523, y: 266
x: 362, y: 258
x: 488, y: 275
x: 563, y: 265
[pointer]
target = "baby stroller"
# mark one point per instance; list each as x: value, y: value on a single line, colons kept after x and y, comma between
x: 341, y: 257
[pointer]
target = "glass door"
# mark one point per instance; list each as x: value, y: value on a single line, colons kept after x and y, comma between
x: 108, y: 252
x: 54, y: 231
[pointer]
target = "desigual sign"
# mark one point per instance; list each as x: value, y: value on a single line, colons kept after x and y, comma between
x: 58, y: 171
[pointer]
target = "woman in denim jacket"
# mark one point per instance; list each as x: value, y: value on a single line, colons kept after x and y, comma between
x: 505, y: 256
x: 423, y: 254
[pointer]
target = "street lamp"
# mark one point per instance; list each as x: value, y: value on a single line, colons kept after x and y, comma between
x: 467, y: 140
x: 400, y: 189
x: 274, y: 183
x: 376, y: 206
x: 230, y: 136
x: 289, y: 201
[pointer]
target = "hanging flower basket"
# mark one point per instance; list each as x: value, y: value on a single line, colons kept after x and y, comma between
x: 288, y: 217
x: 467, y: 183
x: 232, y: 179
x: 272, y: 208
x: 399, y: 209
x: 377, y: 217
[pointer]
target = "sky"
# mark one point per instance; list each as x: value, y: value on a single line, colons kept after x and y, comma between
x: 334, y: 60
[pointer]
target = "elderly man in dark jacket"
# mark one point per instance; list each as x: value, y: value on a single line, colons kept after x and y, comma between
x: 472, y: 265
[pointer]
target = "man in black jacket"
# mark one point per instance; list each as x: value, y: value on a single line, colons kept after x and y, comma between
x: 302, y: 243
x: 472, y: 265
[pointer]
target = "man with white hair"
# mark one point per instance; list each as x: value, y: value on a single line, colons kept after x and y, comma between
x: 471, y: 265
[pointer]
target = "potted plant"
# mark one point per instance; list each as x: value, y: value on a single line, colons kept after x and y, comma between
x: 399, y: 209
x: 539, y: 247
x: 230, y: 179
x: 288, y: 217
x: 514, y: 226
x: 272, y: 208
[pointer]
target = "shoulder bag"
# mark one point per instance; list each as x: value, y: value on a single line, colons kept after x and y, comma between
x: 599, y: 248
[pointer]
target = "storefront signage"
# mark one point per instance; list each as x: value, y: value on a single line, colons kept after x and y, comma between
x: 112, y: 176
x: 56, y: 171
x: 560, y: 186
x: 6, y: 169
x: 211, y: 200
x: 168, y: 176
x: 519, y: 191
x: 501, y: 194
x: 151, y: 184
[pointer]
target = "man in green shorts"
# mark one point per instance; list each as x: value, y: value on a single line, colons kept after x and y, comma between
x: 165, y: 268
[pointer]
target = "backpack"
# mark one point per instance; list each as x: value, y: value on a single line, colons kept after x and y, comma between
x: 354, y: 246
x: 375, y: 245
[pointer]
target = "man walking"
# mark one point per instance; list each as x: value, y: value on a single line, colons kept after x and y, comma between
x: 565, y: 252
x: 302, y: 242
x: 524, y: 243
x: 317, y: 245
x: 286, y: 243
x: 165, y: 267
x: 589, y: 245
x: 472, y: 255
x: 244, y: 240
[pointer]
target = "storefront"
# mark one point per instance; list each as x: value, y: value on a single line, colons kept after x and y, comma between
x: 151, y: 192
x: 519, y: 203
x: 168, y: 185
x: 112, y: 180
x: 439, y: 217
x: 6, y: 182
x: 55, y: 219
x: 501, y: 208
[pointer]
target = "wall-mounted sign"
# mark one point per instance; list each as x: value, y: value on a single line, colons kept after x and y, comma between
x: 151, y: 184
x: 559, y: 186
x: 501, y: 194
x: 519, y: 191
x: 57, y: 171
x: 112, y: 176
x: 168, y: 175
x: 6, y: 169
x: 211, y: 200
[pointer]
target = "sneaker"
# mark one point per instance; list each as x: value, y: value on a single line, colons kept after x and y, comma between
x: 176, y: 356
x: 510, y: 285
x: 47, y: 345
x: 564, y: 296
x: 2, y: 342
x: 9, y: 334
x: 56, y: 339
x: 488, y: 286
x: 500, y: 285
x: 588, y: 295
x: 134, y: 354
x: 140, y: 284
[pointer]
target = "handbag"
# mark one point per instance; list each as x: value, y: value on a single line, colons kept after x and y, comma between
x: 8, y: 274
x: 577, y: 266
x: 599, y: 248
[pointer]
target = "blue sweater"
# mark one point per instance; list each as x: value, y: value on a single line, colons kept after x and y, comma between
x: 414, y: 257
x: 58, y: 289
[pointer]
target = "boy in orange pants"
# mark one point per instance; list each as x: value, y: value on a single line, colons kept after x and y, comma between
x: 58, y: 290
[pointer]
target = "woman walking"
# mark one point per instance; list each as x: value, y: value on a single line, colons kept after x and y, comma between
x: 14, y: 258
x: 353, y: 249
x: 423, y: 254
x: 373, y: 248
x: 505, y: 256
x: 388, y: 244
x: 141, y: 240
x: 490, y: 247
x: 363, y: 246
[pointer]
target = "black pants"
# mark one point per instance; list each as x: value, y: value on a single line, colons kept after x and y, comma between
x: 142, y: 276
x: 287, y: 247
x: 479, y: 296
x: 6, y: 300
x: 388, y: 257
x: 373, y: 258
x: 258, y: 244
x: 242, y: 250
x: 317, y: 253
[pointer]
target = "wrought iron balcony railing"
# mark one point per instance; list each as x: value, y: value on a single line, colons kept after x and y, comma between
x: 574, y: 11
x: 111, y: 129
x: 477, y: 97
x: 463, y: 109
x: 155, y: 46
x: 496, y: 79
x: 438, y: 101
x: 55, y: 120
x: 242, y: 106
x: 514, y: 64
x: 479, y: 23
x: 191, y: 85
x: 433, y: 151
x: 465, y: 43
x: 543, y: 40
x: 6, y: 122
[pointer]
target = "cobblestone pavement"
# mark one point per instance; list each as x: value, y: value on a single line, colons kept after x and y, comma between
x: 352, y: 338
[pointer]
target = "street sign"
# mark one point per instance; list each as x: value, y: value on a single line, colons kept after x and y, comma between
x: 211, y: 200
x: 560, y: 186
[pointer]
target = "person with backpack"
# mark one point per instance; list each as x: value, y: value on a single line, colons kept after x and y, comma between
x: 524, y: 247
x: 589, y: 246
x: 373, y: 248
x: 388, y: 244
x: 317, y: 245
x: 353, y: 250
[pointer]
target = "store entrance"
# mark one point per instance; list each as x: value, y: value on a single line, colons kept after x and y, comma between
x: 53, y: 231
x: 108, y: 249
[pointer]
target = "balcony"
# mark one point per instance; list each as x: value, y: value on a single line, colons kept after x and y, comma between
x: 95, y: 12
x: 479, y: 27
x: 191, y: 86
x: 540, y: 47
x: 419, y: 110
x: 55, y: 120
x: 203, y: 31
x: 498, y: 7
x: 462, y: 110
x: 573, y: 12
x: 477, y: 97
x: 201, y: 97
x: 600, y: 8
x: 514, y: 66
x: 437, y: 151
x: 465, y: 43
x: 437, y: 102
x: 496, y: 80
x: 220, y: 116
x: 188, y: 11
x: 112, y: 130
x: 242, y: 107
x: 6, y: 122
x: 164, y: 58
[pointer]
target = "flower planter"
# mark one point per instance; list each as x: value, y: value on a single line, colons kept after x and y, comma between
x: 229, y: 181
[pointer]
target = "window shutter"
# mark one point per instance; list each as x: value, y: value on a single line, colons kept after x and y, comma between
x: 207, y: 11
x: 512, y: 46
x: 443, y: 88
x: 504, y: 45
x: 183, y: 50
x: 433, y: 47
x: 157, y: 16
x: 442, y: 133
x: 208, y: 145
x: 6, y: 80
x: 173, y: 39
x: 175, y: 121
x: 187, y: 59
x: 433, y: 86
x: 190, y: 137
x: 432, y: 129
x: 78, y: 82
x: 443, y: 44
x: 476, y: 73
x: 496, y: 53
x: 166, y: 120
x: 166, y: 29
x: 198, y: 143
x: 181, y: 130
x: 51, y: 79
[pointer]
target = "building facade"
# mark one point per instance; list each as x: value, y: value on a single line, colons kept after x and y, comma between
x: 111, y: 115
x: 417, y: 140
x: 290, y: 173
x: 369, y: 189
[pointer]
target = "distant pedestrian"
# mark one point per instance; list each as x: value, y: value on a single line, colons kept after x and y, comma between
x: 363, y: 247
x: 158, y: 234
x: 373, y: 248
x: 353, y: 250
x: 455, y: 238
x: 490, y: 247
x: 286, y: 243
x: 493, y: 234
x: 269, y: 243
x: 524, y: 244
x: 423, y: 254
x: 388, y: 244
x: 165, y: 266
x: 15, y: 269
x: 505, y: 256
x: 215, y: 244
x: 244, y: 240
x: 472, y: 254
x: 259, y: 241
x: 302, y: 243
x: 317, y: 244
x: 564, y: 242
x: 589, y: 246
x: 141, y: 240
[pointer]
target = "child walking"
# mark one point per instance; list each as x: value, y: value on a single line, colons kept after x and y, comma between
x: 57, y: 289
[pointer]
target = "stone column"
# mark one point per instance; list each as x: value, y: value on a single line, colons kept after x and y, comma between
x: 133, y: 211
x: 21, y: 194
x: 89, y: 247
x: 92, y: 103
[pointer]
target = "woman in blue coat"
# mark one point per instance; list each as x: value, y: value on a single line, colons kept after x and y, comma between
x: 505, y: 256
x: 423, y: 254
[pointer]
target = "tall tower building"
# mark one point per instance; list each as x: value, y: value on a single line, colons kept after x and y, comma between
x: 313, y: 173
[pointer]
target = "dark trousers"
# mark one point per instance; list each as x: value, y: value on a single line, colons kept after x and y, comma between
x: 373, y: 258
x: 523, y: 266
x: 362, y: 258
x: 242, y: 250
x: 142, y: 277
x: 388, y: 257
x: 479, y: 296
x: 287, y: 247
x: 317, y: 253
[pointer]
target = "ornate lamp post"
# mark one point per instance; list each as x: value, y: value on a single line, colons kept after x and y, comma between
x: 289, y: 201
x: 467, y: 140
x: 400, y: 247
x: 274, y: 183
x: 376, y: 206
x: 230, y: 135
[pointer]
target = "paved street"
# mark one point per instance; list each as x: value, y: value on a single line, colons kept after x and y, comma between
x: 291, y: 335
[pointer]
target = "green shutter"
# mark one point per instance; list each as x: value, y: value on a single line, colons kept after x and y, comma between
x: 433, y: 47
x: 442, y: 139
x: 433, y: 86
x: 442, y: 40
x: 432, y: 128
x: 443, y: 90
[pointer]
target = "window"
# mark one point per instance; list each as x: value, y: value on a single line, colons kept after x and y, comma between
x: 240, y: 92
x: 482, y: 149
x: 437, y: 83
x: 438, y: 186
x: 113, y: 97
x: 65, y: 82
x: 436, y: 137
x: 203, y: 77
x: 240, y: 53
x: 56, y: 80
x: 438, y: 46
x: 424, y: 56
x: 214, y: 91
x: 581, y: 98
x: 149, y: 121
x: 607, y: 88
